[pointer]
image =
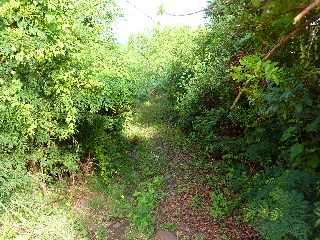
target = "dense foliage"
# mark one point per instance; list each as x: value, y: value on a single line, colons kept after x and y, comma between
x: 247, y: 88
x: 152, y: 53
x: 278, y: 112
x: 52, y: 84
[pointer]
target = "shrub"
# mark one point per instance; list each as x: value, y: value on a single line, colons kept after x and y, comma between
x: 279, y: 206
x: 141, y: 213
x: 221, y: 206
x: 51, y: 82
x: 140, y: 208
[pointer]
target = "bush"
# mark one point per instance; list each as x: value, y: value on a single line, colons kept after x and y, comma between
x: 140, y: 208
x: 221, y: 206
x: 141, y: 213
x: 280, y: 214
x: 13, y: 173
x: 279, y: 205
x: 276, y: 119
x: 51, y: 83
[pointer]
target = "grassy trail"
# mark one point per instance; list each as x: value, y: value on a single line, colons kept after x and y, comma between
x: 166, y: 177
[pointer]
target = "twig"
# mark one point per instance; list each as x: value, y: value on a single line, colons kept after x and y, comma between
x: 284, y: 40
x: 239, y: 95
x: 305, y: 12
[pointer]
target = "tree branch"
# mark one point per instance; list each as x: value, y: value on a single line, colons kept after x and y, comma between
x: 284, y: 40
x: 305, y: 12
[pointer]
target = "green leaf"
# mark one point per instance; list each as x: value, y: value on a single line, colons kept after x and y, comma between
x: 296, y: 150
x: 256, y: 3
x: 313, y: 127
x: 290, y: 132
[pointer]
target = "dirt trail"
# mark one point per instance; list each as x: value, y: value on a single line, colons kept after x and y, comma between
x: 185, y: 182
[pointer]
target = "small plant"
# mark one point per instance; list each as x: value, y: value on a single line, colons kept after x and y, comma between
x: 197, y: 202
x: 278, y: 207
x: 140, y: 209
x: 101, y: 233
x: 220, y: 205
x: 169, y: 226
x: 141, y: 213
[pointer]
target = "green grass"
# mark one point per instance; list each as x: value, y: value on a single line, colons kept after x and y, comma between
x: 169, y: 226
x: 34, y: 214
x: 96, y: 202
x: 137, y: 185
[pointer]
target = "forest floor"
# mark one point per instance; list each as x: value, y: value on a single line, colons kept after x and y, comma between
x: 162, y: 182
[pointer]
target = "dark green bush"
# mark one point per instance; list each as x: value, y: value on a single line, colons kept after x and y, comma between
x: 280, y: 205
x: 275, y: 121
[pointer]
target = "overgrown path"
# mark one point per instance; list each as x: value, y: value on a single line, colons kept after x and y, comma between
x: 185, y: 202
x: 160, y: 185
x: 166, y: 184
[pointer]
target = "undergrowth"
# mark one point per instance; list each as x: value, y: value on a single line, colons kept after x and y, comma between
x: 41, y: 213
